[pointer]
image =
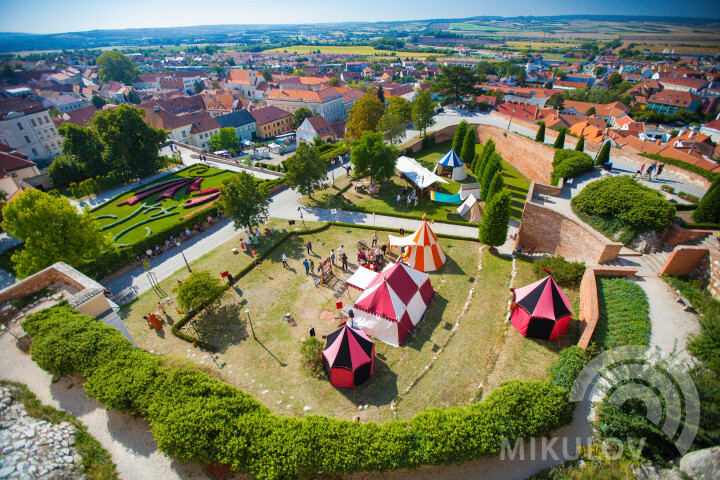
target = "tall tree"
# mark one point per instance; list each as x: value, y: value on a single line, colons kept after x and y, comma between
x: 459, y: 137
x: 372, y: 157
x: 423, y: 109
x: 580, y: 147
x: 381, y: 94
x: 480, y: 165
x: 226, y: 139
x: 467, y: 153
x: 496, y: 185
x: 306, y: 171
x: 456, y: 82
x: 267, y: 75
x: 131, y: 145
x: 557, y: 100
x: 244, y: 201
x: 708, y: 210
x: 400, y: 106
x: 392, y: 126
x: 52, y: 230
x: 493, y: 228
x: 197, y: 87
x: 494, y: 164
x: 133, y: 97
x: 560, y: 140
x: 334, y: 82
x: 604, y: 155
x: 540, y: 137
x: 84, y: 146
x: 97, y: 101
x: 300, y: 115
x: 115, y: 66
x: 364, y: 116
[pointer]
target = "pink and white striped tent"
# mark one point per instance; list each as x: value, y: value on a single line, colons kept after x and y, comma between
x: 393, y: 303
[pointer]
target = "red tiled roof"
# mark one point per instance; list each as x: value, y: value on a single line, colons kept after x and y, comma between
x: 268, y: 114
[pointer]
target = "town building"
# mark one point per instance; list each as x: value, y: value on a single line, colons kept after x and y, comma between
x: 327, y: 102
x: 25, y: 126
x: 315, y: 127
x: 671, y: 101
x: 192, y: 128
x: 272, y: 121
x: 243, y: 123
x: 66, y: 103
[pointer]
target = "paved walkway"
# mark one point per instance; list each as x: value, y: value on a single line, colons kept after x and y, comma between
x: 127, y: 438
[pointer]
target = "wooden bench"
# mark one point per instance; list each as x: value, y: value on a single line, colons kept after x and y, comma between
x: 686, y: 303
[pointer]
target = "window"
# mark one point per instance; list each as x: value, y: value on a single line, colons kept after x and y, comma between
x: 27, y: 139
x: 47, y: 119
x: 19, y: 125
x: 34, y: 152
x: 32, y: 121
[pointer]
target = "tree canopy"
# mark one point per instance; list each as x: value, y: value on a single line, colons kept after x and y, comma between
x: 226, y: 139
x: 456, y: 82
x: 372, y: 157
x: 244, y: 201
x: 300, y: 115
x: 199, y: 290
x: 115, y: 66
x: 84, y: 146
x: 364, y: 116
x: 459, y: 136
x: 52, y: 230
x: 306, y: 171
x: 423, y: 109
x: 493, y: 228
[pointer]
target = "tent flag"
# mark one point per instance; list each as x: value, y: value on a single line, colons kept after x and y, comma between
x: 445, y: 198
x: 541, y: 310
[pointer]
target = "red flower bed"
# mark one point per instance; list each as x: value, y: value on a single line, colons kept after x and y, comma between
x: 201, y: 200
x: 170, y: 192
x: 207, y: 205
x: 149, y: 193
x: 207, y: 191
x: 195, y: 185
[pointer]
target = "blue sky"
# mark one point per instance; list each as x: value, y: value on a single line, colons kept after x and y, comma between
x: 53, y: 16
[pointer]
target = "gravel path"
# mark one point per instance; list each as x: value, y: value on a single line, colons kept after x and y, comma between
x: 127, y: 438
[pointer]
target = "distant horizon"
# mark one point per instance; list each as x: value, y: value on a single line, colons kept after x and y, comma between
x: 76, y: 16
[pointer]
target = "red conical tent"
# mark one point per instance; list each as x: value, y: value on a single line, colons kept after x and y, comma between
x: 542, y: 310
x: 349, y: 357
x: 426, y: 255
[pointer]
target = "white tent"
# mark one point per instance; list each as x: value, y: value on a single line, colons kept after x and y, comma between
x: 454, y: 163
x: 419, y: 175
x: 470, y: 210
x: 361, y: 278
x: 467, y: 189
x: 393, y: 303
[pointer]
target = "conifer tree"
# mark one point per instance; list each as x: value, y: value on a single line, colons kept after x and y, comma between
x: 496, y: 185
x: 459, y: 137
x: 493, y: 165
x: 493, y: 228
x: 580, y: 147
x: 604, y: 155
x: 560, y: 140
x: 540, y: 137
x: 468, y: 149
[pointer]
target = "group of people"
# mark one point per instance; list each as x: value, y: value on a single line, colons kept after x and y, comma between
x: 184, y: 234
x: 252, y: 238
x: 409, y: 198
x: 655, y: 168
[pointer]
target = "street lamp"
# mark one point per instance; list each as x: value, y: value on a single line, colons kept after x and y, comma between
x: 302, y: 218
x: 177, y: 242
x: 247, y: 310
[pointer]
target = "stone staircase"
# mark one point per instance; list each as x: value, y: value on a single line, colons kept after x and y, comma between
x: 650, y: 263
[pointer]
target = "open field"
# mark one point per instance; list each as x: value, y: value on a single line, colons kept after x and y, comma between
x: 385, y: 202
x: 131, y: 223
x: 345, y: 50
x: 540, y: 44
x: 477, y: 28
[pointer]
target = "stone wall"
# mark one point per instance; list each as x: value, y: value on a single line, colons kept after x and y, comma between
x: 677, y: 235
x: 442, y: 135
x: 552, y: 232
x: 714, y: 286
x: 589, y: 313
x: 46, y: 277
x: 532, y: 159
x: 683, y: 260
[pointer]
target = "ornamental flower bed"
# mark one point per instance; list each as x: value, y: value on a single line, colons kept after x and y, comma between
x: 148, y: 193
x: 201, y: 200
x: 170, y: 192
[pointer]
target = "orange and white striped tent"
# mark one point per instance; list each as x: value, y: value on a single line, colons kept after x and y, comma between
x: 422, y: 249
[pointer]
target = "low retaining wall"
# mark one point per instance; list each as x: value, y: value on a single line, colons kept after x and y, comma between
x: 714, y: 285
x: 683, y: 260
x: 552, y: 232
x: 677, y: 235
x: 589, y: 308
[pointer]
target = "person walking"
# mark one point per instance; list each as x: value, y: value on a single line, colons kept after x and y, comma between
x: 639, y: 173
x: 161, y: 307
x: 341, y: 250
x: 408, y: 202
x: 374, y: 238
x: 307, y: 266
x: 308, y: 245
x: 312, y: 266
x: 650, y: 171
x: 398, y: 199
x: 284, y: 260
x: 659, y: 170
x: 332, y: 256
x: 344, y: 259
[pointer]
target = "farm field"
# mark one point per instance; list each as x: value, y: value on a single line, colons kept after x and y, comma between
x: 345, y: 50
x: 128, y: 220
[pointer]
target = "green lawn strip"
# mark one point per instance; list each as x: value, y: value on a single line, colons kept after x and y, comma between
x: 96, y: 460
x: 623, y: 312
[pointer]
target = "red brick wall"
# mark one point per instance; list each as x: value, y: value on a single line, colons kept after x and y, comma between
x: 714, y: 286
x: 31, y: 285
x: 677, y: 235
x: 552, y: 232
x: 683, y: 260
x: 532, y: 159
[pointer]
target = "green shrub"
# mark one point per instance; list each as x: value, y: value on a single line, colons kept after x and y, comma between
x: 570, y: 164
x: 199, y: 419
x: 689, y: 197
x: 628, y: 203
x: 311, y: 355
x: 624, y: 314
x: 200, y: 289
x: 563, y: 271
x: 667, y: 188
x: 428, y: 141
x: 604, y: 155
x: 570, y: 363
x: 493, y: 228
x: 708, y: 210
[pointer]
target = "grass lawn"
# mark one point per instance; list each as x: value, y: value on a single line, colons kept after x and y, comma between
x: 385, y: 202
x: 170, y: 212
x: 262, y: 357
x: 623, y: 311
x: 521, y: 358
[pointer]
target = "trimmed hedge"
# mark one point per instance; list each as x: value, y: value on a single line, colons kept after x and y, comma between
x: 570, y: 164
x: 354, y: 208
x: 194, y: 417
x: 712, y: 176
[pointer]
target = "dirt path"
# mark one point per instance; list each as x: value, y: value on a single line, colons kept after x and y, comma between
x: 127, y: 438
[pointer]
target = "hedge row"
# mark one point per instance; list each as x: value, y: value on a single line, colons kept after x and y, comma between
x: 355, y: 208
x: 197, y: 418
x: 712, y: 176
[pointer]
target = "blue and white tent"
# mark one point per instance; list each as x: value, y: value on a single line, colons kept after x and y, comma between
x: 452, y: 162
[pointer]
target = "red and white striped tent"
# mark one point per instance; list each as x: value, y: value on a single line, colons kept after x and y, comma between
x: 541, y: 310
x: 348, y: 357
x: 422, y: 249
x: 393, y: 303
